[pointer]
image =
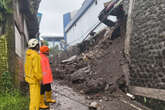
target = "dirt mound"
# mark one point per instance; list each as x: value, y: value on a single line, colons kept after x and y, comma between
x: 100, y: 58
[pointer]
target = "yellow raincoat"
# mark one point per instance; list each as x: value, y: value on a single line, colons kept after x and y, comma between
x: 33, y: 76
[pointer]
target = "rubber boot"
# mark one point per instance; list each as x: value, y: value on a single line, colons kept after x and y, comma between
x: 42, y: 103
x: 49, y: 97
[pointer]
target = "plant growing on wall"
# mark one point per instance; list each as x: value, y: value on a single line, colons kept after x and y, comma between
x: 6, y: 6
x: 6, y: 11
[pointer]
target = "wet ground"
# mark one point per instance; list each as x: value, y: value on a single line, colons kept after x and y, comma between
x: 68, y: 99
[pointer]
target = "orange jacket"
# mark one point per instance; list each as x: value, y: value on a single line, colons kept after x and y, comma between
x: 46, y: 70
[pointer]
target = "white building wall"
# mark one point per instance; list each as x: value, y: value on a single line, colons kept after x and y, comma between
x: 73, y: 13
x: 26, y: 31
x: 19, y: 43
x: 87, y: 21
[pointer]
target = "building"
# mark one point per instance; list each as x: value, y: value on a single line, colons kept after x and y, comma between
x: 14, y: 37
x: 67, y: 17
x: 86, y: 18
x: 52, y: 40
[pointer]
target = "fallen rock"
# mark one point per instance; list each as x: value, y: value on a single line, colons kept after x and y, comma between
x: 112, y: 89
x: 69, y: 69
x: 80, y: 75
x: 60, y: 74
x: 82, y: 92
x: 89, y: 98
x: 93, y: 106
x: 108, y: 86
x: 122, y: 84
x: 94, y: 86
x: 106, y: 98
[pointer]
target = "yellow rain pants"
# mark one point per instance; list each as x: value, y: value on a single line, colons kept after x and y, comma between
x: 34, y: 96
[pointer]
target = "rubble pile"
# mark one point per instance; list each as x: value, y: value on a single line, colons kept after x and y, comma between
x: 98, y: 66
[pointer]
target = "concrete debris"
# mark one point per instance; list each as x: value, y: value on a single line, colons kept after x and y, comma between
x: 89, y: 98
x: 131, y: 96
x: 93, y: 106
x: 82, y: 92
x: 105, y: 98
x: 97, y: 67
x: 69, y: 59
x: 97, y: 70
x: 100, y: 100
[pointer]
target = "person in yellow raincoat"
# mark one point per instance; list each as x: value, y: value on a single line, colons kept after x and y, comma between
x: 33, y: 73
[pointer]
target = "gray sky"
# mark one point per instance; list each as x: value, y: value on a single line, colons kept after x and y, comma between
x: 53, y: 10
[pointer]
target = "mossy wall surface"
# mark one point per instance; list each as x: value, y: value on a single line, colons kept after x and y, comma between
x: 3, y: 54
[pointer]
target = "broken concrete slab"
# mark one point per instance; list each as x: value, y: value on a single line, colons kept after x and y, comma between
x: 69, y: 59
x: 80, y: 75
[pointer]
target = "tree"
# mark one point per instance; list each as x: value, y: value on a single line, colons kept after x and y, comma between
x: 6, y: 11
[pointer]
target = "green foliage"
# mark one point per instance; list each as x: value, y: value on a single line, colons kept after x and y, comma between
x: 14, y: 101
x: 154, y: 104
x: 6, y: 9
x: 11, y: 98
x: 6, y: 82
x: 6, y: 6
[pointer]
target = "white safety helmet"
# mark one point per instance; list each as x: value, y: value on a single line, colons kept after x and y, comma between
x: 32, y: 43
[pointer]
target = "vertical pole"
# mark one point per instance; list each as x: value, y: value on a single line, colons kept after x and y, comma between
x: 53, y: 47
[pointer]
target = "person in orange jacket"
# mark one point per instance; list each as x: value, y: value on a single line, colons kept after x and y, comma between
x: 33, y: 73
x: 47, y: 78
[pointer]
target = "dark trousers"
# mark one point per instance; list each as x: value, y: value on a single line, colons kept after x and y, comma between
x: 44, y: 88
